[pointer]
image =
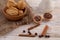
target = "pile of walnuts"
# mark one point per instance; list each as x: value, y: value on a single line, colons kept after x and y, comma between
x: 16, y: 9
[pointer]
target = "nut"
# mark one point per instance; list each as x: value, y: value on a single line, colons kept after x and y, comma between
x: 21, y: 4
x: 11, y: 3
x: 21, y: 12
x: 12, y: 11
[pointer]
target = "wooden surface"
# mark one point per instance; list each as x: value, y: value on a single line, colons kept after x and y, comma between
x: 54, y: 27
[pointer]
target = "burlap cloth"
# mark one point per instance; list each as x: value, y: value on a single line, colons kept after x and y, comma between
x: 6, y: 25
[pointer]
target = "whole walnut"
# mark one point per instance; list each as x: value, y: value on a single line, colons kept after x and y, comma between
x: 21, y: 4
x: 11, y: 3
x: 12, y: 11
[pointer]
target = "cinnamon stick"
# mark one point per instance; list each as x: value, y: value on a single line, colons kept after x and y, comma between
x: 26, y: 35
x: 33, y: 27
x: 44, y: 30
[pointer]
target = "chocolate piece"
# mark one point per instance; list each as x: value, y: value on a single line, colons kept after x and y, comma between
x: 47, y: 16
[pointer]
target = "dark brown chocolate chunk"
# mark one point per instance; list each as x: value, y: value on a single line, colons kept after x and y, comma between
x: 47, y: 15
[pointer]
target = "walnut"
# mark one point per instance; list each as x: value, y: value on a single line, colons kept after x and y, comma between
x: 21, y: 4
x: 21, y: 12
x: 12, y: 11
x: 11, y: 3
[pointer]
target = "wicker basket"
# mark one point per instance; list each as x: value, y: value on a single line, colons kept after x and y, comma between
x: 14, y: 18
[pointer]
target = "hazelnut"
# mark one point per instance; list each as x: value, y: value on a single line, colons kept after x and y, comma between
x: 37, y: 19
x: 11, y: 3
x: 21, y: 4
x: 12, y: 11
x: 47, y: 16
